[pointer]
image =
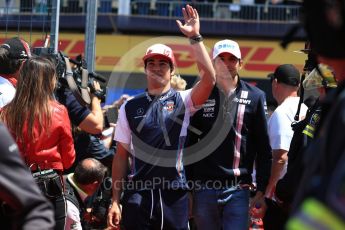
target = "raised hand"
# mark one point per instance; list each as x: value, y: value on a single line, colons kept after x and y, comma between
x: 191, y: 26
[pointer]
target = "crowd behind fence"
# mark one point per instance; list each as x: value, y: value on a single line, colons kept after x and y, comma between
x: 237, y: 10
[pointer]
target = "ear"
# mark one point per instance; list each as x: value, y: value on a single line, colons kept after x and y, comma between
x: 240, y: 64
x: 172, y: 72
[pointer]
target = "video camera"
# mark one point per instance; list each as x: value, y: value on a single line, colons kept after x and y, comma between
x: 79, y: 79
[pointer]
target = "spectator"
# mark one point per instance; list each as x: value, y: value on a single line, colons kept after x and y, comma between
x: 41, y: 128
x: 319, y: 200
x: 285, y: 81
x: 151, y: 124
x: 304, y: 132
x: 13, y: 53
x: 26, y: 208
x: 178, y: 83
x: 83, y: 183
x: 233, y: 133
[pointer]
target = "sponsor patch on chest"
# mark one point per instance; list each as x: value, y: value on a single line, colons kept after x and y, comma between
x: 169, y: 106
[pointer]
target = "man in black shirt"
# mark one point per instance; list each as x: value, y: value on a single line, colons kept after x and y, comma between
x: 226, y: 136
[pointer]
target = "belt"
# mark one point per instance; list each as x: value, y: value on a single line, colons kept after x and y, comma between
x: 44, y: 172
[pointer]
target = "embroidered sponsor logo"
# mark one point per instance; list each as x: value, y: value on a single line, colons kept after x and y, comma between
x: 242, y: 101
x: 169, y: 106
x: 208, y: 115
x: 244, y: 94
x: 209, y: 109
x: 140, y: 111
x: 209, y: 103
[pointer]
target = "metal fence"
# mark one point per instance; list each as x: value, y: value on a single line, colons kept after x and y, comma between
x: 162, y: 8
x: 219, y: 11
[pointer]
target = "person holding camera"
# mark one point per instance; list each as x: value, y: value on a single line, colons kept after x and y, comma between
x: 84, y: 182
x: 151, y: 130
x: 41, y: 127
x: 88, y: 119
x: 13, y: 52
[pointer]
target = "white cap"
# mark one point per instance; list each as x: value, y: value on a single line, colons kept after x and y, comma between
x: 226, y: 46
x: 160, y: 49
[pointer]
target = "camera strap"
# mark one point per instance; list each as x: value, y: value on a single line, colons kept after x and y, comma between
x: 82, y: 96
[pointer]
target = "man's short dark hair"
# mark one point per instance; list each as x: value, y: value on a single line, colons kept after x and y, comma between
x: 8, y: 65
x: 88, y: 171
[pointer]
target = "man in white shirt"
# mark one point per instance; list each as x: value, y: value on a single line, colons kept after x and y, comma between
x: 13, y: 52
x: 285, y: 83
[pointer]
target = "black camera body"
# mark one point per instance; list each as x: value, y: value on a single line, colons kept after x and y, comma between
x: 79, y: 69
x: 100, y: 206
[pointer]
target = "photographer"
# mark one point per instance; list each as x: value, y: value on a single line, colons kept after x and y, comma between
x: 13, y: 52
x: 84, y: 182
x: 87, y: 119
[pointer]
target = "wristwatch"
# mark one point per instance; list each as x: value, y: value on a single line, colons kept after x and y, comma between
x: 196, y: 39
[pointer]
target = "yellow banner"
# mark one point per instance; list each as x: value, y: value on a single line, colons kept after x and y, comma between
x: 123, y: 53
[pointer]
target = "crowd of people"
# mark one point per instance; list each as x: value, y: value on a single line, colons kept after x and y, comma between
x: 209, y: 157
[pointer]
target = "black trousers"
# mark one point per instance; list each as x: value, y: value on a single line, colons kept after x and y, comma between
x: 60, y: 212
x: 275, y: 217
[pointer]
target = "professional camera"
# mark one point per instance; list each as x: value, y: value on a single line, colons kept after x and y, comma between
x: 81, y: 79
x: 100, y: 205
x: 78, y: 70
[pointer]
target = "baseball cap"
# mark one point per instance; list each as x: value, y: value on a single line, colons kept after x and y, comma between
x: 226, y: 46
x: 287, y: 74
x: 18, y: 48
x: 160, y: 50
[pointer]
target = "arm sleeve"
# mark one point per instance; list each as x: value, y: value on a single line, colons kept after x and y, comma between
x: 122, y: 130
x: 19, y: 191
x: 76, y: 111
x: 66, y: 144
x: 73, y: 217
x: 264, y: 152
x: 280, y: 131
x: 187, y: 100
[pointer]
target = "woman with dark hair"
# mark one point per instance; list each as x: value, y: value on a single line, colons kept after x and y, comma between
x: 42, y: 130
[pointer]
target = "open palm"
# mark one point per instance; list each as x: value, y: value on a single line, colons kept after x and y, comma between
x: 191, y: 26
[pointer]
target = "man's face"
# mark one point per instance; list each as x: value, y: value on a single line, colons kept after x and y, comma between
x: 158, y: 70
x: 227, y: 65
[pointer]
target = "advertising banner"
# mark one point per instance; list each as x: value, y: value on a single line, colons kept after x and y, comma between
x: 123, y: 53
